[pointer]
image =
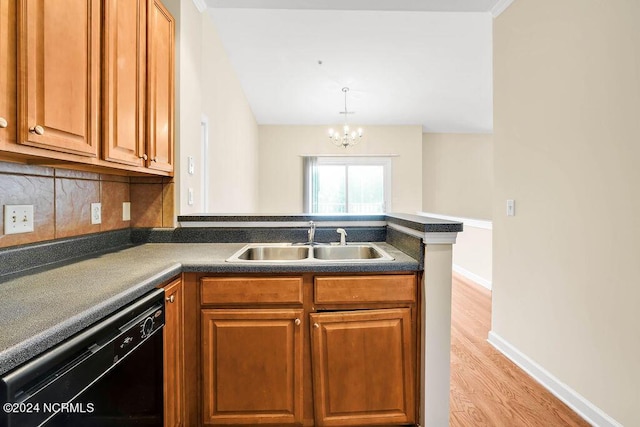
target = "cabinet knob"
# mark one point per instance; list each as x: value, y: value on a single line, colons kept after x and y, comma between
x: 144, y: 156
x: 315, y: 325
x: 3, y: 123
x: 171, y: 299
x: 297, y: 322
x: 37, y: 129
x: 155, y: 159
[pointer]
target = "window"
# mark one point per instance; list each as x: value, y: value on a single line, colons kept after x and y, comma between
x: 347, y: 184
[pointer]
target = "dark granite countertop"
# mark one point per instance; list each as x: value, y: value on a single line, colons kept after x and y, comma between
x: 424, y: 224
x: 280, y: 217
x: 415, y: 222
x: 41, y: 309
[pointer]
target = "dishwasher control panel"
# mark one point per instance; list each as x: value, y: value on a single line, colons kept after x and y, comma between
x: 138, y: 331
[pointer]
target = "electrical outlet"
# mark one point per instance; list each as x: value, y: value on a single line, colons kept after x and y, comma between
x: 18, y: 219
x: 96, y: 213
x: 126, y: 211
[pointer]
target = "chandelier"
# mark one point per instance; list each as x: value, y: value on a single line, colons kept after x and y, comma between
x: 346, y: 138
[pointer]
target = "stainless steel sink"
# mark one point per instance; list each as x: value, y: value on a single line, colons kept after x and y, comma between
x: 274, y: 253
x: 351, y: 252
x: 287, y: 253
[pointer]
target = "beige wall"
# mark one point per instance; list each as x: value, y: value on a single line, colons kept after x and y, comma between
x: 457, y: 174
x: 280, y: 164
x: 207, y: 85
x: 472, y: 255
x: 233, y: 131
x: 188, y: 103
x: 566, y: 132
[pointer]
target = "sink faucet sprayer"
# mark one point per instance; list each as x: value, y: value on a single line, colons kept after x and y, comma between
x: 343, y: 236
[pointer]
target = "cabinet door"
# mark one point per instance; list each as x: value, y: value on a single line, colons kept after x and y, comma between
x: 160, y: 97
x: 174, y: 355
x: 59, y: 75
x: 363, y: 367
x: 7, y: 72
x: 124, y: 79
x: 252, y: 367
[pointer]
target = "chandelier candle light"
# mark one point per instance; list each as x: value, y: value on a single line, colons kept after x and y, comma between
x: 346, y: 139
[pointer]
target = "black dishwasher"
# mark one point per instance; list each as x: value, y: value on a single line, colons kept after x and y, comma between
x: 108, y: 375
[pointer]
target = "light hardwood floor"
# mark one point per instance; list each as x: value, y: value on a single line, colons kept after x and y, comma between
x: 487, y: 389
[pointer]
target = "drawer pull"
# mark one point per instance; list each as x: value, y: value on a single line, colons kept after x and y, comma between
x: 37, y: 129
x: 315, y: 325
x: 3, y: 123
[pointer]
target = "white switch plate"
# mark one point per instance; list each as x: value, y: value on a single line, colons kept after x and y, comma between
x: 18, y: 219
x: 511, y: 208
x: 96, y: 213
x: 191, y: 167
x: 126, y: 211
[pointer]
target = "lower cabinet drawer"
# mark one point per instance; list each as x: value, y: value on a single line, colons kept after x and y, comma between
x: 251, y: 290
x: 369, y: 289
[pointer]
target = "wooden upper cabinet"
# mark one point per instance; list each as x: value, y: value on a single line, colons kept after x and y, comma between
x: 7, y: 72
x: 59, y: 75
x: 363, y: 371
x: 160, y: 84
x: 124, y: 80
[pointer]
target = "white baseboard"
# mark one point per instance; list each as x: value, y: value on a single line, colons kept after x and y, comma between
x: 472, y: 276
x: 587, y: 410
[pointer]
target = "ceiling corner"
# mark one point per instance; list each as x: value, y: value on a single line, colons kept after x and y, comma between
x: 499, y: 7
x: 201, y: 5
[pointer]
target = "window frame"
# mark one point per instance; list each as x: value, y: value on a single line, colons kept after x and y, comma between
x: 311, y: 162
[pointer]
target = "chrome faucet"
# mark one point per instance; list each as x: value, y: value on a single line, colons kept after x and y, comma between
x: 312, y: 232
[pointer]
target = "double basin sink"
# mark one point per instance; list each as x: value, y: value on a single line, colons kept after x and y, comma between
x: 286, y: 252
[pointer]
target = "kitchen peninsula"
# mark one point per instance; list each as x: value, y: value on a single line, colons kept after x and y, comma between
x: 306, y: 302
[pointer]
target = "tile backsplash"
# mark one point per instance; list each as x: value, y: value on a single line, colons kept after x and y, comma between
x: 62, y: 201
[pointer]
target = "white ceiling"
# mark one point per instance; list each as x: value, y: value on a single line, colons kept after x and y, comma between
x: 406, y: 62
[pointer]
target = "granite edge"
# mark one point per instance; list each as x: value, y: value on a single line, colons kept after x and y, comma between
x: 425, y: 224
x: 279, y: 217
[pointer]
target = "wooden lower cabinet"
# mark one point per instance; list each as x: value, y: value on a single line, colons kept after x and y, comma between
x: 252, y: 366
x: 363, y: 367
x: 307, y: 350
x: 174, y: 355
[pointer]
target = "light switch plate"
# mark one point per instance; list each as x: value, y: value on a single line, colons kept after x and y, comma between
x: 96, y: 213
x: 511, y: 207
x: 18, y: 219
x: 191, y: 167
